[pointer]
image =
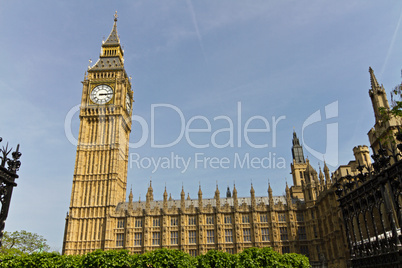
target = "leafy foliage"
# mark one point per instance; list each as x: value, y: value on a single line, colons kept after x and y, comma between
x: 396, y: 103
x: 103, y: 259
x: 161, y: 258
x: 254, y: 258
x: 23, y: 242
x: 217, y: 259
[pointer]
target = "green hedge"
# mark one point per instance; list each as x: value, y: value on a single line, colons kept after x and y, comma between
x: 161, y: 258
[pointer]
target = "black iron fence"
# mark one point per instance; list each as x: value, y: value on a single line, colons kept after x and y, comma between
x: 8, y: 173
x: 370, y: 200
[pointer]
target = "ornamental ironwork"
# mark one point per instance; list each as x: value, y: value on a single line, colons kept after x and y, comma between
x: 9, y: 165
x: 370, y: 200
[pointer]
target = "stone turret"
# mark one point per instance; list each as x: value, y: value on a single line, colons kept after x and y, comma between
x: 148, y: 198
x: 165, y: 197
x: 378, y: 97
x: 322, y: 179
x: 235, y: 201
x: 385, y: 126
x: 288, y: 197
x: 182, y: 199
x: 150, y: 192
x: 362, y: 155
x: 217, y: 198
x: 271, y: 198
x: 200, y: 205
x: 327, y: 176
x: 130, y: 200
x: 252, y: 194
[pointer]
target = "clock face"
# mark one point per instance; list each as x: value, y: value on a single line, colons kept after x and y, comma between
x: 101, y: 94
x: 128, y: 103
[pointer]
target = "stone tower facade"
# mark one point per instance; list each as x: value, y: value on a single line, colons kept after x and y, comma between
x: 298, y: 167
x: 385, y: 126
x: 100, y: 174
x: 306, y: 219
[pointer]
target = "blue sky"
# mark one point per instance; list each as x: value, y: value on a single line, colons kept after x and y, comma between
x: 281, y: 59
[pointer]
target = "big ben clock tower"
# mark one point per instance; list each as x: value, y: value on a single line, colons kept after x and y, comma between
x: 100, y: 174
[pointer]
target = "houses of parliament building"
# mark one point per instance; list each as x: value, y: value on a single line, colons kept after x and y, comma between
x: 306, y: 220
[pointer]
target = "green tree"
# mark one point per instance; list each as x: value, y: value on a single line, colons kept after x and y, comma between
x: 23, y: 242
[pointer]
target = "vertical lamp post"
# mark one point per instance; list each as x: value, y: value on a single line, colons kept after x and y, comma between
x: 8, y: 174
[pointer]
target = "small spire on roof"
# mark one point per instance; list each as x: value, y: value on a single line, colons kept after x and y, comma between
x: 165, y: 193
x: 325, y: 167
x: 228, y: 193
x: 373, y: 79
x: 182, y: 194
x: 115, y: 16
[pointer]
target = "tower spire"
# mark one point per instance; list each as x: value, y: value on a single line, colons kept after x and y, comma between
x: 373, y: 79
x: 199, y: 191
x: 113, y: 38
x: 378, y: 97
x: 270, y: 196
x: 297, y: 150
x: 111, y: 57
x: 228, y: 193
x: 200, y: 206
x: 165, y: 194
x: 130, y: 196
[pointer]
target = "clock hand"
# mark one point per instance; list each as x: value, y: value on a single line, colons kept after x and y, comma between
x: 103, y: 94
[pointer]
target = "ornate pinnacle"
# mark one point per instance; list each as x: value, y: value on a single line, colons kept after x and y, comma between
x: 373, y: 79
x: 115, y: 16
